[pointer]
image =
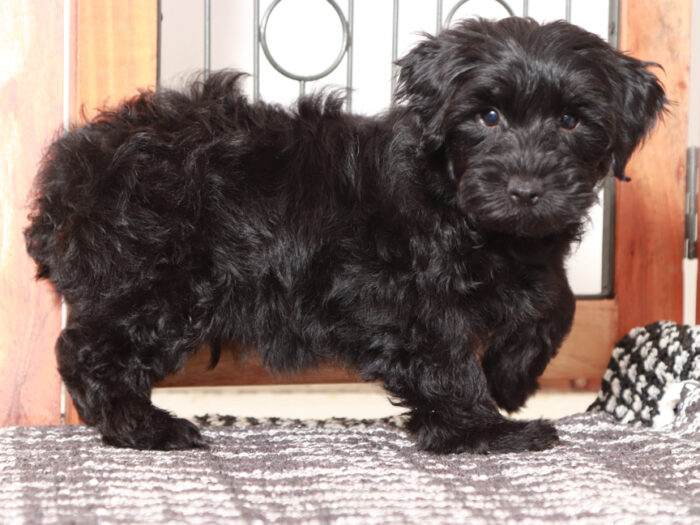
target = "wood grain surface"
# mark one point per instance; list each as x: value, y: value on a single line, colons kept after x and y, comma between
x: 115, y: 53
x: 237, y: 368
x: 31, y: 51
x: 650, y: 208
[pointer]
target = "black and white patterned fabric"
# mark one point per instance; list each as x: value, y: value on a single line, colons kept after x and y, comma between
x: 219, y: 420
x: 648, y: 370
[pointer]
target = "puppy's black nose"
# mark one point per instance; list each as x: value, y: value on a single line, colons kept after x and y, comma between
x: 524, y: 192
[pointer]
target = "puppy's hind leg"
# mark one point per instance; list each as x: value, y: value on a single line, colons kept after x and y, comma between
x: 110, y: 385
x: 450, y: 411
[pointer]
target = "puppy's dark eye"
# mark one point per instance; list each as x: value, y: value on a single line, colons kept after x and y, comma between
x: 490, y: 117
x: 568, y: 122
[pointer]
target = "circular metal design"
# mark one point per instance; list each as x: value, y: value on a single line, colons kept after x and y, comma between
x: 459, y: 4
x: 286, y: 72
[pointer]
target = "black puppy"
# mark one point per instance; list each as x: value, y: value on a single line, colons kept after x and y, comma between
x: 423, y: 248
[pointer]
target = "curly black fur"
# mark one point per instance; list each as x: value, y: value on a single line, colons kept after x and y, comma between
x: 423, y: 247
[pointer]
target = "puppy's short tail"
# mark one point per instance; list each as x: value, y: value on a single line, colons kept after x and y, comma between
x: 51, y: 205
x: 39, y: 239
x: 78, y: 232
x: 61, y: 231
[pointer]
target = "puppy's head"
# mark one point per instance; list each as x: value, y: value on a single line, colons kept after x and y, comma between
x: 529, y: 117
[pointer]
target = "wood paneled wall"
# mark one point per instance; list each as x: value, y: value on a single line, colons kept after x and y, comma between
x: 115, y: 52
x: 650, y: 208
x: 31, y: 58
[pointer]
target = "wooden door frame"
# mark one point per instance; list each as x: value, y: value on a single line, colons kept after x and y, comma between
x: 649, y: 237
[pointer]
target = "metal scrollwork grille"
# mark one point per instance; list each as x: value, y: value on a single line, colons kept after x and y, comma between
x: 302, y: 79
x: 349, y: 55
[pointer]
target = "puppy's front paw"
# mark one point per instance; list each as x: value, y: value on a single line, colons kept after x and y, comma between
x: 178, y: 434
x: 154, y: 430
x: 434, y: 434
x: 527, y: 435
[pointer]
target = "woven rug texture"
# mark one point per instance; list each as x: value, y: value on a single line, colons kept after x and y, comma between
x: 348, y: 471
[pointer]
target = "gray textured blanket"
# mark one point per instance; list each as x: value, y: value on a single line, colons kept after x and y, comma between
x: 278, y: 471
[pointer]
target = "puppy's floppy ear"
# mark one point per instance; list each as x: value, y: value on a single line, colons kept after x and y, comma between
x: 640, y: 101
x: 426, y: 80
